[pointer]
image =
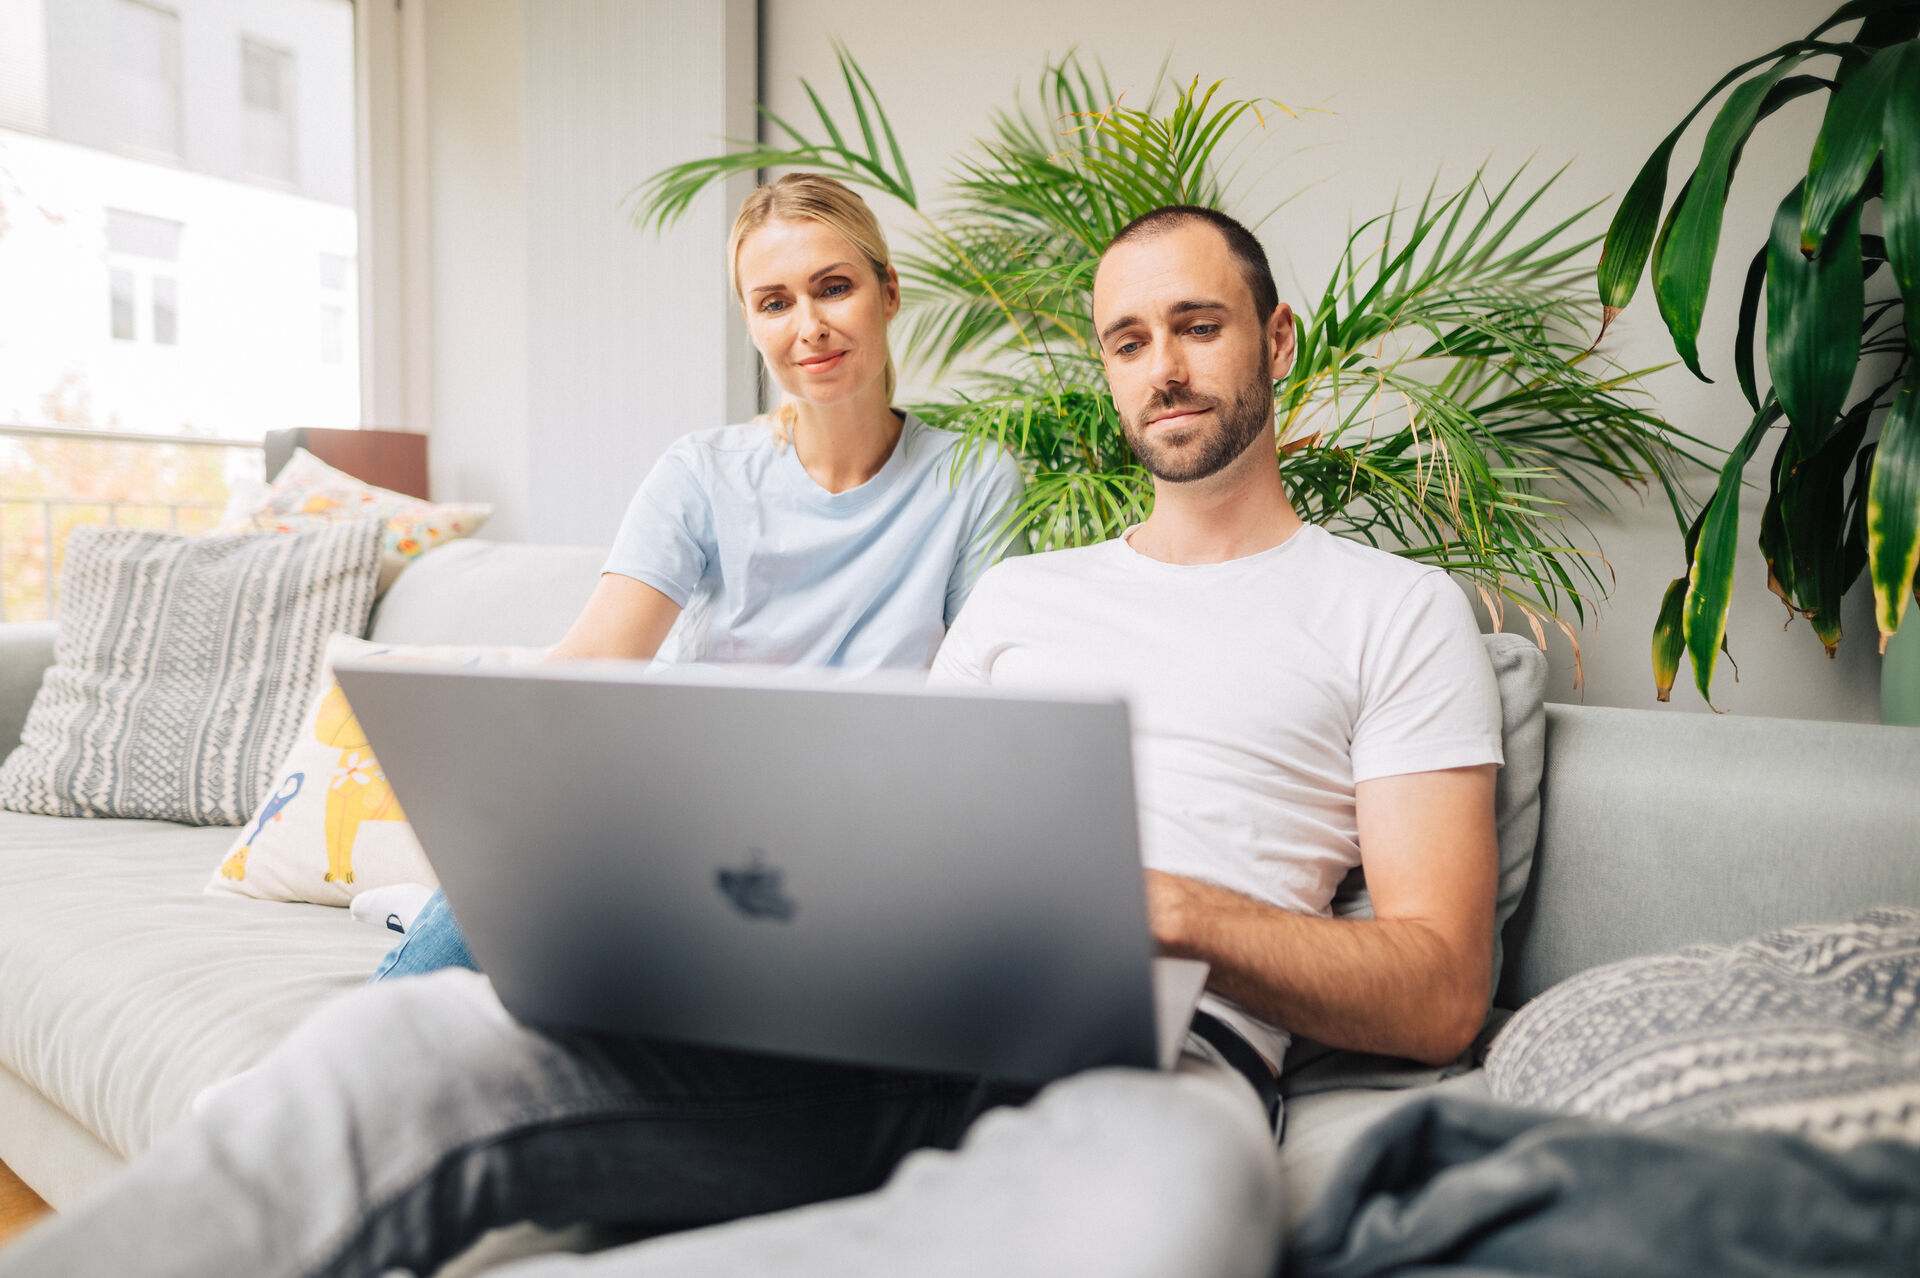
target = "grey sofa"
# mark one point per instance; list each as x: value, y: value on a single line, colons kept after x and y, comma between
x: 124, y: 989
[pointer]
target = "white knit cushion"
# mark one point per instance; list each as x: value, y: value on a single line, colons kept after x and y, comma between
x: 181, y: 669
x: 1813, y: 1029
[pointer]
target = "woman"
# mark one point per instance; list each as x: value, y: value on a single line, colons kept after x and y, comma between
x: 836, y: 531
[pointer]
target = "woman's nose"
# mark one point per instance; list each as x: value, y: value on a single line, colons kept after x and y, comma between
x: 812, y: 324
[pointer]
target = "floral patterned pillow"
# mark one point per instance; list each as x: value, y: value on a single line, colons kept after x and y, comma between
x: 308, y: 493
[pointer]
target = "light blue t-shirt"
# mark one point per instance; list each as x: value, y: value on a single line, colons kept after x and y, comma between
x: 772, y: 569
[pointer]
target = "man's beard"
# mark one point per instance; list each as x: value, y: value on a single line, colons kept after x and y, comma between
x: 1236, y: 425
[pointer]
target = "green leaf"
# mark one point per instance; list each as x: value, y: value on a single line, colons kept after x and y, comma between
x: 1900, y: 187
x: 1813, y: 518
x: 1847, y: 146
x: 1813, y: 319
x: 1893, y: 508
x: 1631, y: 234
x: 1774, y: 546
x: 1749, y: 320
x: 1710, y: 579
x: 1685, y: 269
x: 1669, y: 639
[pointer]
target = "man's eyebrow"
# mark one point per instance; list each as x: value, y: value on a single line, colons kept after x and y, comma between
x: 825, y: 270
x: 1179, y: 308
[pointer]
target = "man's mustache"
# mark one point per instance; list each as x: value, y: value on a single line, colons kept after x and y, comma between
x: 1175, y: 400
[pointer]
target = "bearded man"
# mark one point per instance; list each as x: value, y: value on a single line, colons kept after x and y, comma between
x: 1302, y: 705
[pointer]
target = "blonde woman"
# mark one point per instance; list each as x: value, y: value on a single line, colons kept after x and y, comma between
x: 835, y: 531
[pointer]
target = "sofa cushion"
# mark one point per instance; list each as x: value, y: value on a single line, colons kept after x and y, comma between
x: 309, y: 494
x: 125, y: 989
x: 332, y: 827
x: 1813, y: 1029
x: 489, y: 592
x: 181, y: 668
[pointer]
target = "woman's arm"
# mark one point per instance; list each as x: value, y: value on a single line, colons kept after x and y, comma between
x: 624, y: 618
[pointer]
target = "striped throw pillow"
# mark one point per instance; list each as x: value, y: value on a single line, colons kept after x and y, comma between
x: 182, y: 668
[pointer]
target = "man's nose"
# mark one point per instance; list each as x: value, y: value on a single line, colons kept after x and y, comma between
x: 1168, y: 366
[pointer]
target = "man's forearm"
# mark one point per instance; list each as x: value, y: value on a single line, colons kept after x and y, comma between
x: 1393, y: 986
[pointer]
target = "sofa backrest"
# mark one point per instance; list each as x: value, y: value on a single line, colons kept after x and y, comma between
x: 488, y: 592
x: 1662, y: 829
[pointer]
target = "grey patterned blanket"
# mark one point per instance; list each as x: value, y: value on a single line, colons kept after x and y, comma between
x: 1472, y: 1187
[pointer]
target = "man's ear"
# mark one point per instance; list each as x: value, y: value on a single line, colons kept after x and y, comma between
x: 1281, y: 336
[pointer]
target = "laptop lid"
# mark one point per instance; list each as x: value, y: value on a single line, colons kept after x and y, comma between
x: 925, y: 879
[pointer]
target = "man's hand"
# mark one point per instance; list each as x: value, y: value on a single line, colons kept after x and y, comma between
x: 1413, y: 980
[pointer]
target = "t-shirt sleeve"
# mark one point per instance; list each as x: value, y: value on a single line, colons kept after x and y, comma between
x: 667, y: 535
x: 965, y: 655
x: 996, y: 496
x: 1428, y: 699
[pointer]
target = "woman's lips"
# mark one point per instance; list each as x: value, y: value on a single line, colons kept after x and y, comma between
x: 822, y: 363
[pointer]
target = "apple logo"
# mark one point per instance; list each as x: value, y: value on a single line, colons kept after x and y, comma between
x: 755, y: 890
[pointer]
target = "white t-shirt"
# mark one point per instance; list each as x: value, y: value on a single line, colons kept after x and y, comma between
x: 1261, y: 691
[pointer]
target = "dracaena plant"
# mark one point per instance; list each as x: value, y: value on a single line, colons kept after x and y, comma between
x: 1443, y: 401
x: 1844, y: 479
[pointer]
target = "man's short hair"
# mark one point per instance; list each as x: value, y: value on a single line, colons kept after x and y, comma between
x: 1241, y: 244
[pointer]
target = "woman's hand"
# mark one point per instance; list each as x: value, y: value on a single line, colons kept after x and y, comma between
x: 624, y: 618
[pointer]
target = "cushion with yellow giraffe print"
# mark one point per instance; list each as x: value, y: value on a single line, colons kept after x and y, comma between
x: 331, y: 827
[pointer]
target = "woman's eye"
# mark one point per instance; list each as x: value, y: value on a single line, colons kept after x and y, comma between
x: 836, y: 290
x: 772, y: 306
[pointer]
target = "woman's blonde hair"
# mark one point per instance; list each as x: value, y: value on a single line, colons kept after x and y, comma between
x: 818, y: 198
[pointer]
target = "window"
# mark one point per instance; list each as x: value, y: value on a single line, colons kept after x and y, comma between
x: 23, y: 65
x: 266, y: 94
x: 147, y: 77
x: 142, y: 252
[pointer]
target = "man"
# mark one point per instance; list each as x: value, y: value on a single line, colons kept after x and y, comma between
x: 1302, y: 705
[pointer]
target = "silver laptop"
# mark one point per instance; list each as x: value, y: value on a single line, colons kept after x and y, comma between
x: 862, y: 872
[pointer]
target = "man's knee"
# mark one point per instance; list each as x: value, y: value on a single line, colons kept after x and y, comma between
x: 1148, y: 1173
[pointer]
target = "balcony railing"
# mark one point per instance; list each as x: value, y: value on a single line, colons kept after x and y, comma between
x: 34, y: 524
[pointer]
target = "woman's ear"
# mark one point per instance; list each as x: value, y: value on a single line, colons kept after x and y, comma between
x: 893, y: 291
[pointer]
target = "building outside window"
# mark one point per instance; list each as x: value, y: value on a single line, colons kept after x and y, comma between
x: 143, y: 253
x: 171, y: 173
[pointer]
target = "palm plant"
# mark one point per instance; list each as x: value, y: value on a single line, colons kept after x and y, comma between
x: 1839, y: 501
x: 1441, y: 385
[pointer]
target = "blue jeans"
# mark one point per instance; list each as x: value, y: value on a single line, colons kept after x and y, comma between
x: 403, y: 1120
x: 433, y: 941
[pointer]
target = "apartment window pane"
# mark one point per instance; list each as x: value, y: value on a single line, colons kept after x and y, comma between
x: 24, y: 101
x: 166, y: 311
x: 121, y: 288
x: 147, y: 73
x: 266, y: 91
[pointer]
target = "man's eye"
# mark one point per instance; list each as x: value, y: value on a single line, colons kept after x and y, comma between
x: 1126, y: 348
x: 1203, y: 330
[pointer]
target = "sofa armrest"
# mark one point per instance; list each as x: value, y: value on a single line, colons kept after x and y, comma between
x: 26, y: 650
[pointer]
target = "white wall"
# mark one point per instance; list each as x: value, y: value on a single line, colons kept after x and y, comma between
x: 1415, y: 89
x: 568, y: 349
